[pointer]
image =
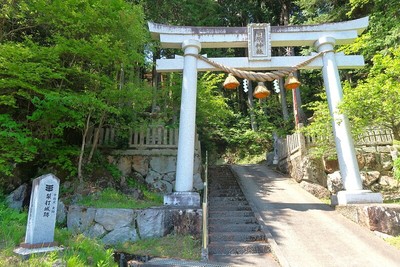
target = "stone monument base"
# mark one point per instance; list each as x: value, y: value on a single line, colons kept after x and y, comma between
x: 182, y: 199
x: 358, y: 197
x: 25, y: 253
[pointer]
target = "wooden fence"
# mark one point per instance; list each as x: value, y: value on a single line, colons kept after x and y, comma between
x: 155, y: 136
x: 295, y: 143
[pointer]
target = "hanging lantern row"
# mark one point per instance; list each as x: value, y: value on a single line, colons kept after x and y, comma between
x: 261, y: 91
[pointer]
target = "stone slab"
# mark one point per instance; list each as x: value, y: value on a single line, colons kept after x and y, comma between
x: 182, y: 199
x: 25, y: 253
x: 358, y: 197
x: 42, y: 210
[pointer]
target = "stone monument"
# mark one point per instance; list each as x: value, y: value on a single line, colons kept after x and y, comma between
x: 39, y: 236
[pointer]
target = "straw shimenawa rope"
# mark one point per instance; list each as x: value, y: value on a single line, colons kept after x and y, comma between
x: 259, y: 76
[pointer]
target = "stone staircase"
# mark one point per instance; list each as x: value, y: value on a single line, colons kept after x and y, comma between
x: 233, y: 227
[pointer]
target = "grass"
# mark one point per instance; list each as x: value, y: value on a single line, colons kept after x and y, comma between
x: 250, y: 159
x: 183, y: 247
x: 392, y: 201
x: 394, y: 241
x: 81, y: 251
x: 111, y: 198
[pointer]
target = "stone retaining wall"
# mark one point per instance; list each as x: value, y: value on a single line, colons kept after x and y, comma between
x: 383, y: 218
x: 157, y: 167
x: 322, y: 178
x: 114, y: 226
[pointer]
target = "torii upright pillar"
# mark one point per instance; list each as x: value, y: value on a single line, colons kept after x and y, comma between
x: 349, y: 170
x: 183, y: 195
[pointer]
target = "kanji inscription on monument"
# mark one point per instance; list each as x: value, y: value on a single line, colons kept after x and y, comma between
x: 42, y: 212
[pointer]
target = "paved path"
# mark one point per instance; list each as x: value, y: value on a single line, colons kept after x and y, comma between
x: 307, y: 232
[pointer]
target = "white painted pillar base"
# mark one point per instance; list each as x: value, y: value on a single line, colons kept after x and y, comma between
x: 356, y: 197
x: 344, y: 142
x: 187, y: 121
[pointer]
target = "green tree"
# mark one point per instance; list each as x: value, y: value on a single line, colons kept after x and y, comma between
x: 376, y: 100
x: 67, y: 66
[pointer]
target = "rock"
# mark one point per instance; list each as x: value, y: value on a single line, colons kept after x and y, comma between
x: 295, y: 169
x: 369, y: 178
x: 163, y: 186
x: 124, y: 164
x: 15, y: 200
x: 371, y: 162
x: 313, y: 171
x: 334, y: 182
x: 394, y: 154
x: 388, y: 181
x: 138, y: 177
x: 360, y: 161
x: 95, y: 231
x: 386, y: 161
x: 163, y: 164
x: 61, y: 212
x: 369, y: 149
x: 140, y: 164
x: 170, y: 177
x: 152, y: 177
x: 384, y: 219
x: 112, y: 219
x: 196, y: 163
x: 315, y: 189
x: 133, y: 192
x: 384, y: 149
x: 187, y: 221
x: 120, y: 235
x: 150, y: 223
x: 270, y: 158
x: 330, y: 165
x: 80, y: 218
x: 197, y: 182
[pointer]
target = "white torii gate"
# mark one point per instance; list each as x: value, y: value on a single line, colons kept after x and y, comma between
x: 323, y: 37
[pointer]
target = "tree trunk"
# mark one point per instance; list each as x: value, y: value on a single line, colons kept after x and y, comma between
x: 285, y: 111
x: 250, y: 101
x: 80, y: 162
x: 96, y: 137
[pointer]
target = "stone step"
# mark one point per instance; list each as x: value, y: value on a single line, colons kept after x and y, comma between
x: 229, y: 208
x: 213, y: 187
x: 237, y: 203
x: 233, y: 213
x: 227, y: 199
x: 234, y: 248
x: 249, y: 227
x: 225, y: 193
x: 219, y: 188
x: 242, y: 236
x: 231, y: 220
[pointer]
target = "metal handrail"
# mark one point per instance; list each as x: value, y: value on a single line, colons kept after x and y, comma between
x: 204, y: 251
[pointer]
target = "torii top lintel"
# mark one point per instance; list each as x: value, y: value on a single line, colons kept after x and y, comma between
x: 281, y: 36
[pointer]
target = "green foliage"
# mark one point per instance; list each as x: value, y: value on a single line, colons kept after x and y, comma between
x: 12, y: 224
x: 384, y: 27
x: 242, y: 142
x: 396, y: 169
x: 320, y: 129
x: 16, y: 144
x: 63, y: 64
x: 394, y: 241
x: 376, y: 100
x: 171, y: 246
x: 84, y: 251
x: 110, y: 198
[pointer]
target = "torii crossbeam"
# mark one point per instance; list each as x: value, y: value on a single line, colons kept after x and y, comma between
x: 259, y: 38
